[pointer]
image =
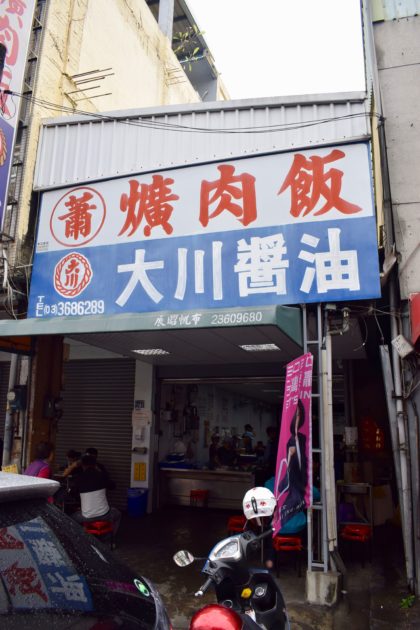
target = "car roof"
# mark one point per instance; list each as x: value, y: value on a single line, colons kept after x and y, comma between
x: 14, y: 486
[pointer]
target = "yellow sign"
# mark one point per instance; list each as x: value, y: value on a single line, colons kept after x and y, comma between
x: 10, y: 469
x: 140, y: 471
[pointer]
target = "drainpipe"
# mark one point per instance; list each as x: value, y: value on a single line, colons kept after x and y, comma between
x: 328, y: 446
x: 8, y: 424
x: 405, y: 498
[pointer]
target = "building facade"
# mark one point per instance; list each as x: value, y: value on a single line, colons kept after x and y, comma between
x: 396, y: 32
x: 80, y: 59
x: 194, y: 374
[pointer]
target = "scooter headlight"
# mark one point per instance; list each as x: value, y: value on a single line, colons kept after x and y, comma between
x: 228, y: 548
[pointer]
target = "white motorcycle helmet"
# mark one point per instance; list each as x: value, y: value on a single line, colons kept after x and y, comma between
x: 259, y: 503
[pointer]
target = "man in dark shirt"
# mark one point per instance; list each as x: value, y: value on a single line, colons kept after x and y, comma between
x: 92, y: 485
x: 226, y: 455
x: 94, y: 452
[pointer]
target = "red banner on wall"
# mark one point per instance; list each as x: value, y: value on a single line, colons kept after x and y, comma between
x: 415, y: 319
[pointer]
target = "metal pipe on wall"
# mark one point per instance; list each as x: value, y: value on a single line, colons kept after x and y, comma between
x: 405, y: 497
x: 8, y: 424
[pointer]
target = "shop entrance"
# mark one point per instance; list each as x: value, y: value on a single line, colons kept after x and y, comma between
x: 214, y: 436
x: 196, y: 383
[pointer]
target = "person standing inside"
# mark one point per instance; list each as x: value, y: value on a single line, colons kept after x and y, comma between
x: 214, y: 447
x: 41, y: 465
x: 248, y: 438
x: 92, y: 485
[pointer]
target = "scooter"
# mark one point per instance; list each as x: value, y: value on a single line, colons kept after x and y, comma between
x: 251, y: 593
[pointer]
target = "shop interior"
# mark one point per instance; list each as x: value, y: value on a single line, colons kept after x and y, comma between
x: 195, y: 415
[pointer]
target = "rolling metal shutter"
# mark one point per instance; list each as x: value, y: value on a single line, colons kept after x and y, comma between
x: 98, y: 403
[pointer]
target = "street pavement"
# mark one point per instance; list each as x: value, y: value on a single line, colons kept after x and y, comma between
x: 374, y: 593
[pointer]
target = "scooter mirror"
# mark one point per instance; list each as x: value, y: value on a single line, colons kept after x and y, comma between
x: 183, y: 558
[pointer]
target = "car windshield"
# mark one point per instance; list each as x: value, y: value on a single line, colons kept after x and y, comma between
x: 52, y: 573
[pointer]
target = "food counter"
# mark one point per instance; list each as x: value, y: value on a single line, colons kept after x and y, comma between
x: 226, y: 487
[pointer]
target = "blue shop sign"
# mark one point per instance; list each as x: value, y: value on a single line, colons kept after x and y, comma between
x: 286, y: 228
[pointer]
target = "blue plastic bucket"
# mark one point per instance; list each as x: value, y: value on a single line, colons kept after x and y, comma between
x: 137, y: 501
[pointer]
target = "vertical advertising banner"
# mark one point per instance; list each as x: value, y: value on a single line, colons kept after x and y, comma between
x: 293, y: 489
x: 15, y: 30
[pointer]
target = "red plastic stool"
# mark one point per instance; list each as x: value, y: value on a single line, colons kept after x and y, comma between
x: 358, y: 533
x: 288, y: 543
x: 199, y: 497
x: 236, y: 524
x: 100, y: 529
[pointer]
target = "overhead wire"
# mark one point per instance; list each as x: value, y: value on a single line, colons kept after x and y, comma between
x: 160, y: 125
x: 168, y: 126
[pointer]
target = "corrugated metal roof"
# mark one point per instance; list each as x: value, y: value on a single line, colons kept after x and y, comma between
x: 395, y: 9
x: 84, y: 148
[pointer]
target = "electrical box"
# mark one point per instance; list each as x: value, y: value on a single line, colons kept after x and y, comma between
x: 17, y: 398
x: 402, y: 346
x: 53, y: 408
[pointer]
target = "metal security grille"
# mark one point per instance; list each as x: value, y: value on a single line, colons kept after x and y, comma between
x: 98, y: 402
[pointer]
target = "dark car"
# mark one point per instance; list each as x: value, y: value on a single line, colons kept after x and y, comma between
x: 55, y: 576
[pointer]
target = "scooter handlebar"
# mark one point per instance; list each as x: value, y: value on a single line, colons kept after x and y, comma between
x: 203, y: 588
x: 265, y: 534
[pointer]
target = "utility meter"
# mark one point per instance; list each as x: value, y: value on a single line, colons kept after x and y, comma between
x: 17, y: 398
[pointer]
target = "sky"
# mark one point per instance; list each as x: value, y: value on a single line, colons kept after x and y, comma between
x: 283, y: 47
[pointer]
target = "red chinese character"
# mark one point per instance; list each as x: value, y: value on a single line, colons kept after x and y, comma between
x: 72, y: 273
x: 25, y: 579
x: 79, y: 218
x: 17, y: 7
x: 7, y: 541
x: 225, y: 189
x: 5, y: 85
x: 308, y: 182
x: 150, y: 201
x: 10, y: 39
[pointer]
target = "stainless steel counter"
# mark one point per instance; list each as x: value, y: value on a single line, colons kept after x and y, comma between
x: 226, y: 487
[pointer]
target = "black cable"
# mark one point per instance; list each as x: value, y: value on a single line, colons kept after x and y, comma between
x: 161, y: 125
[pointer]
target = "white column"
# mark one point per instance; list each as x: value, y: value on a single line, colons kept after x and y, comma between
x: 143, y: 434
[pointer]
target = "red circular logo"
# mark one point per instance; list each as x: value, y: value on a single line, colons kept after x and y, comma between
x: 72, y: 275
x: 78, y: 217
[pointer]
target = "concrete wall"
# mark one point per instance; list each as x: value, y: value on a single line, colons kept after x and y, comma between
x: 398, y: 54
x: 80, y: 36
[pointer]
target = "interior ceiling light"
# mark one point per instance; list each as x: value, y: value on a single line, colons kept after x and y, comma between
x: 260, y: 347
x: 151, y: 351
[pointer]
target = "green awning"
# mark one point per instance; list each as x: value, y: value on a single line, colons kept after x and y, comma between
x: 287, y: 318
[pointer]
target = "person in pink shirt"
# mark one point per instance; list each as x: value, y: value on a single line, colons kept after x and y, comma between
x: 41, y: 465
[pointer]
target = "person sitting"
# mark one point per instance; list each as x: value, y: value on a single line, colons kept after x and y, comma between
x: 41, y: 466
x: 94, y: 453
x: 73, y: 463
x: 298, y: 521
x: 92, y: 485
